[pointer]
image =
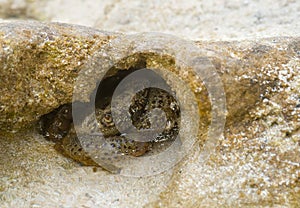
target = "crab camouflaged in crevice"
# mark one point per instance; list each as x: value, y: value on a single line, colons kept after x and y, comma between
x: 58, y: 125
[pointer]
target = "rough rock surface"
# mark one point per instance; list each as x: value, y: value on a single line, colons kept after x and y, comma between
x: 192, y: 19
x: 38, y: 78
x: 256, y: 162
x: 38, y: 67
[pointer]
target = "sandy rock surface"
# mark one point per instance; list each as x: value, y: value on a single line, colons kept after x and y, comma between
x: 256, y: 161
x: 192, y: 19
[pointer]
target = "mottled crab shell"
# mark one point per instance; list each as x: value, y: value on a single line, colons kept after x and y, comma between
x: 117, y: 144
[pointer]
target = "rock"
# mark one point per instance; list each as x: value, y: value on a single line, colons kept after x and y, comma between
x: 256, y: 160
x: 40, y: 62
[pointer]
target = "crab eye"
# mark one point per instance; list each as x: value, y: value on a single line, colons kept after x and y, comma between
x: 107, y: 118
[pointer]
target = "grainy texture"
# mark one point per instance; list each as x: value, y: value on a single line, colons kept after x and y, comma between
x: 38, y: 67
x: 192, y: 19
x: 42, y: 73
x: 256, y: 163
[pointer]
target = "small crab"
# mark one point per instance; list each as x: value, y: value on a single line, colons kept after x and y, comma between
x: 58, y: 127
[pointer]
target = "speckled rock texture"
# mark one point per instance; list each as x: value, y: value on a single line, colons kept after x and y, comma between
x: 256, y: 162
x: 38, y: 67
x: 192, y: 19
x: 39, y: 63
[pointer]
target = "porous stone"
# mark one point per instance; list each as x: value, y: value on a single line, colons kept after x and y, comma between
x: 256, y: 162
x: 39, y: 63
